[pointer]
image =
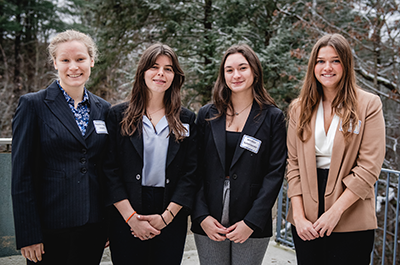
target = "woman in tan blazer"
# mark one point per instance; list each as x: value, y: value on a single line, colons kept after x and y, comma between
x: 336, y: 147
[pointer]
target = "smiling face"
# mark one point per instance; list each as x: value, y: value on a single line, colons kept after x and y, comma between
x: 328, y: 69
x: 73, y: 64
x: 238, y: 74
x: 159, y: 77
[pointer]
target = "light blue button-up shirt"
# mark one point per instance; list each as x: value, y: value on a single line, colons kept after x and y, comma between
x: 155, y: 148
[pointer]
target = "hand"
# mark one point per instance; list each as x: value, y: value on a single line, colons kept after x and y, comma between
x: 142, y: 229
x: 214, y: 230
x: 239, y: 232
x: 155, y: 220
x: 305, y: 229
x: 327, y: 222
x: 33, y: 252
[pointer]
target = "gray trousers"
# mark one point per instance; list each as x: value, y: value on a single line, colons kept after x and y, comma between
x: 251, y: 252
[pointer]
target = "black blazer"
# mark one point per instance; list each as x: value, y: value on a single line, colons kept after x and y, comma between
x: 124, y: 163
x: 55, y: 170
x: 255, y: 178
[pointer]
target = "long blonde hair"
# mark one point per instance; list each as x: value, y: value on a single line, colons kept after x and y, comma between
x: 345, y: 102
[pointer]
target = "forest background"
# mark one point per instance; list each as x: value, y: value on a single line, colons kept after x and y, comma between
x: 282, y: 34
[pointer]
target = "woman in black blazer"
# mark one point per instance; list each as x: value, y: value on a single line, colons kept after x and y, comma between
x: 59, y: 139
x: 242, y: 158
x: 150, y: 165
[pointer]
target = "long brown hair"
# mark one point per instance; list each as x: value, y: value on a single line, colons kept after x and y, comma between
x: 222, y: 93
x: 139, y: 96
x: 345, y: 102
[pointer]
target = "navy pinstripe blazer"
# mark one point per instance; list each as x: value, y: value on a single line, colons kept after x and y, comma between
x: 55, y: 170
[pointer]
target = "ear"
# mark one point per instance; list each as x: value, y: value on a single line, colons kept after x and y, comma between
x: 91, y: 62
x: 55, y: 64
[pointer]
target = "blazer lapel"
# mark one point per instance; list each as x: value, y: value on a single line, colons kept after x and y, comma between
x: 251, y: 127
x: 219, y: 135
x: 59, y: 107
x: 95, y: 113
x: 173, y: 147
x: 137, y: 141
x: 311, y: 163
x: 336, y: 160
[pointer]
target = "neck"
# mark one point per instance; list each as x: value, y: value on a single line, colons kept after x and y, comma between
x: 329, y: 95
x: 76, y: 93
x: 155, y: 102
x: 241, y: 101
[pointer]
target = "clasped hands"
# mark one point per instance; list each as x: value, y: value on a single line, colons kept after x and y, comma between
x: 238, y: 232
x: 146, y: 227
x: 325, y: 224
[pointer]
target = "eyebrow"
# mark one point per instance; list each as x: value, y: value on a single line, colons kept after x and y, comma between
x: 168, y: 65
x: 334, y: 57
x: 228, y: 66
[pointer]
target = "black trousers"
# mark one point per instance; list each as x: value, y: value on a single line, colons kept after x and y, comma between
x: 166, y: 248
x: 82, y: 245
x: 348, y: 248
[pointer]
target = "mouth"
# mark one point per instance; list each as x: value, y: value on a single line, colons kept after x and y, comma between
x: 75, y: 76
x: 237, y: 83
x: 328, y: 75
x: 159, y: 81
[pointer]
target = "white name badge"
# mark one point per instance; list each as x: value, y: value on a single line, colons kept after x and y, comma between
x: 100, y: 127
x: 250, y: 143
x: 356, y: 130
x: 186, y: 125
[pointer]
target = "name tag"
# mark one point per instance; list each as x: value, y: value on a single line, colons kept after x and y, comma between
x: 186, y: 125
x: 356, y: 130
x: 250, y: 143
x: 100, y: 127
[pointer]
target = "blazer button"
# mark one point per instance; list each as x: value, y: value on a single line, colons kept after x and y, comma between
x: 84, y: 151
x: 234, y: 176
x: 83, y: 160
x: 83, y: 170
x: 167, y: 181
x: 138, y: 176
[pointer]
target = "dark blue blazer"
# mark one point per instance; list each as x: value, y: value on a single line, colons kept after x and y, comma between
x: 255, y: 178
x: 56, y: 171
x: 124, y: 162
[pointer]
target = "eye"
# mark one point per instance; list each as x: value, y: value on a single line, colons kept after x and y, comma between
x: 320, y: 61
x: 64, y: 60
x: 243, y: 68
x: 228, y: 71
x: 336, y: 61
x: 169, y: 69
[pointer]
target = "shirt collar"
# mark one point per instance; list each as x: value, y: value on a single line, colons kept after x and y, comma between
x: 160, y: 126
x: 70, y: 100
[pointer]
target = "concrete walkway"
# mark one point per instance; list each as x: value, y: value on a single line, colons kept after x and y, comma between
x: 276, y: 255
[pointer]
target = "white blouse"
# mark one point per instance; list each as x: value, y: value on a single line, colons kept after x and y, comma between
x: 323, y: 141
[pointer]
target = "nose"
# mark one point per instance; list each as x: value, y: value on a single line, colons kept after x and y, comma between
x: 73, y: 65
x: 236, y: 73
x: 328, y: 66
x: 160, y: 71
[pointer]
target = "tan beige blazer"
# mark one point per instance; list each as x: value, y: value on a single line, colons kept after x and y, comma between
x: 355, y: 165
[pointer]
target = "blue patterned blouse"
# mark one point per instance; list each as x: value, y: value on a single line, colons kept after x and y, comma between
x: 81, y: 113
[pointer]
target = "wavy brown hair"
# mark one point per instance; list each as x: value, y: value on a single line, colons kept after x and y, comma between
x: 345, y: 102
x: 222, y: 93
x: 133, y: 115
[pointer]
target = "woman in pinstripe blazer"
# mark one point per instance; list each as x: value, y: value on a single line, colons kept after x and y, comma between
x: 59, y: 136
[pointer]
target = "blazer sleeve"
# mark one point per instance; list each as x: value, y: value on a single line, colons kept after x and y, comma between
x: 272, y: 181
x: 200, y: 210
x: 293, y: 171
x: 25, y: 153
x: 371, y: 152
x: 186, y: 186
x: 115, y: 185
